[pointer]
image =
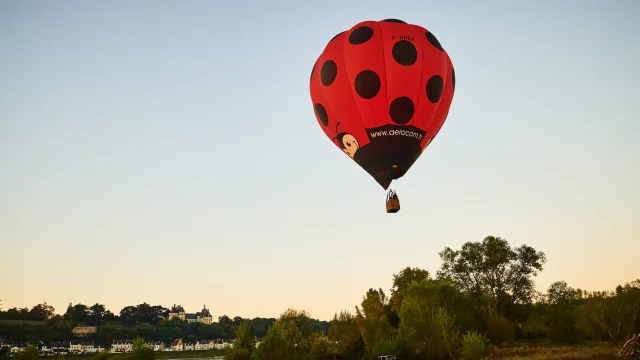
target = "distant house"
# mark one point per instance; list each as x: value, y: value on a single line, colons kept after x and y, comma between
x: 220, y: 344
x: 16, y: 346
x: 84, y: 347
x: 120, y: 346
x: 60, y: 347
x: 156, y: 345
x: 177, y: 345
x: 189, y: 346
x: 75, y: 346
x: 84, y: 330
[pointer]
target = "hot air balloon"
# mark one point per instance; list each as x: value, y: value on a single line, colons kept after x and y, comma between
x: 381, y: 92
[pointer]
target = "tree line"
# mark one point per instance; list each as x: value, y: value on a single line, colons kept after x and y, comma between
x: 482, y: 296
x: 145, y: 321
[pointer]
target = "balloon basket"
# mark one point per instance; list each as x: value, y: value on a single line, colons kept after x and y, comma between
x: 393, y: 206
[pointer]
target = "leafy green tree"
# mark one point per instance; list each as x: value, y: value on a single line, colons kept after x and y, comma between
x: 628, y: 296
x: 96, y: 314
x: 244, y: 338
x: 297, y: 329
x: 42, y: 312
x: 492, y: 267
x: 345, y: 334
x: 244, y: 346
x: 16, y: 314
x: 428, y: 321
x: 77, y: 313
x: 561, y: 301
x: 372, y: 318
x: 141, y: 351
x: 273, y: 345
x: 474, y: 346
x: 401, y: 282
x: 29, y: 353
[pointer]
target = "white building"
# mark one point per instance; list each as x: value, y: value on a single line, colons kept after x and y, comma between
x: 203, y: 317
x: 120, y: 346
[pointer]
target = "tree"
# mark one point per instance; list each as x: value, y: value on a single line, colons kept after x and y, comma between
x: 401, y: 282
x: 29, y: 353
x: 141, y: 351
x: 429, y: 318
x: 297, y: 328
x: 42, y: 312
x: 560, y: 293
x: 493, y: 267
x: 244, y: 346
x: 373, y: 318
x: 96, y: 314
x: 273, y: 346
x: 224, y: 320
x: 345, y: 334
x: 244, y: 338
x: 561, y: 304
x: 77, y: 313
x: 143, y: 313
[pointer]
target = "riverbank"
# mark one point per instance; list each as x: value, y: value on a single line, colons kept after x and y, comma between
x: 181, y: 355
x: 598, y: 351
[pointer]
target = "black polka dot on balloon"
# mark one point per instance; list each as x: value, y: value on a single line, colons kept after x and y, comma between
x: 433, y: 40
x: 367, y: 84
x: 360, y: 35
x: 333, y: 38
x: 401, y: 110
x: 328, y: 72
x: 453, y: 78
x: 404, y: 53
x: 322, y: 114
x: 435, y: 86
x: 394, y: 21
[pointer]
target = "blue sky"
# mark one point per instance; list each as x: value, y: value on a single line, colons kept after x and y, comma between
x: 167, y: 152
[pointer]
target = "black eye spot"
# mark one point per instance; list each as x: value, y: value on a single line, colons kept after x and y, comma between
x: 348, y: 143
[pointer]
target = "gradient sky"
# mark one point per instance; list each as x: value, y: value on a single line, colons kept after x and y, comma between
x: 167, y: 152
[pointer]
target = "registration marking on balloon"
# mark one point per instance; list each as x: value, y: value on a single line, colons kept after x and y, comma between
x: 408, y: 38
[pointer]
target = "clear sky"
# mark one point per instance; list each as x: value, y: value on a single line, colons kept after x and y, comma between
x: 167, y: 152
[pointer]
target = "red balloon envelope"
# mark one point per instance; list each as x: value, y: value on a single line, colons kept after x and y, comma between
x: 381, y: 91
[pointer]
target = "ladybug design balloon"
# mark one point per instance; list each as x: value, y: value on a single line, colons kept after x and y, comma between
x: 381, y: 92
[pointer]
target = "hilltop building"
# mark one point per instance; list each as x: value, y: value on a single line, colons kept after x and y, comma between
x: 204, y: 316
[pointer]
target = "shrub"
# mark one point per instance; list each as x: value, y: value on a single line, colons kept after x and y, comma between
x: 474, y: 346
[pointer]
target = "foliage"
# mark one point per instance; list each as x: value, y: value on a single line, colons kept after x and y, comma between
x: 245, y: 344
x: 29, y: 353
x: 401, y: 282
x: 236, y: 354
x: 493, y: 267
x: 273, y: 346
x: 141, y: 351
x: 143, y: 320
x: 482, y: 299
x: 474, y: 346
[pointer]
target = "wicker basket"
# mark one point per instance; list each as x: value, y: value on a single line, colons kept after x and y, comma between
x: 393, y: 205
